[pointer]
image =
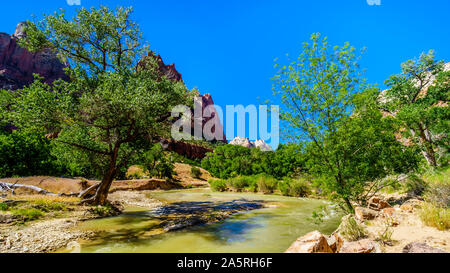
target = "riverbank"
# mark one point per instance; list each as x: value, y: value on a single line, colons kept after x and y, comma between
x: 59, y: 229
x: 379, y: 228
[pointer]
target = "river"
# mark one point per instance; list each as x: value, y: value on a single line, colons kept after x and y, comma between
x: 267, y: 230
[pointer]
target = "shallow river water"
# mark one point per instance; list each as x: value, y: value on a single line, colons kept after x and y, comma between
x: 267, y: 230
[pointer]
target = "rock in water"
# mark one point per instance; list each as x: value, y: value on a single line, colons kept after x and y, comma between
x: 313, y: 242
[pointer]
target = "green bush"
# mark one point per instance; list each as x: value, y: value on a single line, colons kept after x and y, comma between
x: 25, y: 154
x: 218, y: 185
x: 294, y: 187
x: 230, y: 161
x: 267, y: 184
x: 3, y: 207
x: 196, y: 172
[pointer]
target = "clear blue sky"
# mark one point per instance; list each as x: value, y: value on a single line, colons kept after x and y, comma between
x: 227, y: 47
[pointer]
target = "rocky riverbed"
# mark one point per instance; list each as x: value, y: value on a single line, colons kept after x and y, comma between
x: 61, y: 232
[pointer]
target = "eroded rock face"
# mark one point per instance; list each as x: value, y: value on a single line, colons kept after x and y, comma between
x: 188, y: 150
x: 313, y: 242
x: 17, y: 65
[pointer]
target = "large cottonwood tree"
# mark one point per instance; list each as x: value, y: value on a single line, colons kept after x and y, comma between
x: 108, y: 107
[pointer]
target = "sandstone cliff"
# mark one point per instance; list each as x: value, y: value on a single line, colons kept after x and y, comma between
x: 17, y: 65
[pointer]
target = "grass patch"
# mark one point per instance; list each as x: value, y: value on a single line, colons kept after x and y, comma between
x: 28, y: 214
x: 351, y: 230
x: 218, y: 185
x: 435, y: 216
x: 267, y: 184
x: 196, y: 172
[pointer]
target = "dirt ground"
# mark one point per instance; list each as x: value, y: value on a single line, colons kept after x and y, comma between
x: 409, y: 229
x: 75, y: 185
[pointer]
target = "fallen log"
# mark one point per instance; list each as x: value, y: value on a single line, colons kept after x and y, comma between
x: 8, y: 187
x: 89, y: 191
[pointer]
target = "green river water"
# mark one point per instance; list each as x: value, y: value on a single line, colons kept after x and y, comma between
x: 267, y: 230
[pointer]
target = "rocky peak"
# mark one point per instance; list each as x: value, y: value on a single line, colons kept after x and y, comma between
x: 245, y: 142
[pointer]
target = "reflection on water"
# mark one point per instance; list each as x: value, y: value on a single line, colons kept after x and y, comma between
x: 270, y: 229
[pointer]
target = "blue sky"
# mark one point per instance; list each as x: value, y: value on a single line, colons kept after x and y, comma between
x: 227, y: 48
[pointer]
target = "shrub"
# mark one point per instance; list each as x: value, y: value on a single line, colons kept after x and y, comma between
x: 28, y: 214
x: 196, y: 172
x: 3, y: 207
x: 239, y: 183
x: 351, y: 230
x: 438, y: 191
x: 267, y: 184
x: 434, y: 216
x: 294, y: 187
x: 218, y: 185
x: 25, y: 154
x: 414, y: 185
x: 136, y: 172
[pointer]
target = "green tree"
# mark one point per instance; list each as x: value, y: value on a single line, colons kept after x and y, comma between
x: 108, y: 108
x: 328, y: 105
x: 419, y: 98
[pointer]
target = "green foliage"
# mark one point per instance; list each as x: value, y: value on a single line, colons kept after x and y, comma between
x: 426, y: 121
x: 28, y: 214
x: 103, y: 211
x: 196, y: 172
x: 229, y: 161
x: 298, y: 187
x: 438, y: 190
x: 266, y: 184
x: 218, y: 185
x: 25, y: 154
x: 351, y: 230
x: 4, y: 207
x: 158, y: 163
x: 326, y: 102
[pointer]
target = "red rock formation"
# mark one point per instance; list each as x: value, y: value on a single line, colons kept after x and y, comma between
x: 17, y: 65
x: 188, y: 150
x: 165, y: 70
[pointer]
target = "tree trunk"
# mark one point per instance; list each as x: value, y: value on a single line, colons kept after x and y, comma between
x: 101, y: 194
x: 429, y: 152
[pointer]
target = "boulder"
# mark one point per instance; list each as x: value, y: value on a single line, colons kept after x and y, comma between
x: 388, y: 212
x: 421, y: 248
x: 377, y: 203
x: 313, y: 242
x: 335, y: 241
x: 362, y: 246
x: 365, y: 213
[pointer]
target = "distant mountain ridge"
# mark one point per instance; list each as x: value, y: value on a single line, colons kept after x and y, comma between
x: 245, y: 142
